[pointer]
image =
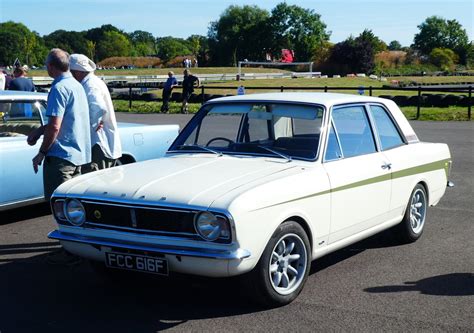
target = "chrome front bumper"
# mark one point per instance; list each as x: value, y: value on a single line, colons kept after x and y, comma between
x: 237, y: 254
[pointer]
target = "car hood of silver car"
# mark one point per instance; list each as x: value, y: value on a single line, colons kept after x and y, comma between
x: 194, y: 180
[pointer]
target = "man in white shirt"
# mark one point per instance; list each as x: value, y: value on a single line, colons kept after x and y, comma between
x: 106, y: 146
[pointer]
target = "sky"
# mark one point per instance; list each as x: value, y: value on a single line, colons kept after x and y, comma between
x: 388, y: 19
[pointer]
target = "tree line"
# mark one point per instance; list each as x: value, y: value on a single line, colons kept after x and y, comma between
x: 249, y: 32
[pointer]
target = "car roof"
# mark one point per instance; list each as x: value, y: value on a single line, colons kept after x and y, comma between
x: 327, y: 99
x: 21, y: 95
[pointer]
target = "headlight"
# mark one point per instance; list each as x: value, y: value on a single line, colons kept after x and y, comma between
x: 211, y: 227
x: 75, y: 213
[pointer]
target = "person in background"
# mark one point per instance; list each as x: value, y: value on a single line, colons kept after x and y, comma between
x: 170, y: 83
x: 66, y: 144
x: 189, y: 81
x: 20, y: 81
x: 105, y: 139
x: 3, y: 80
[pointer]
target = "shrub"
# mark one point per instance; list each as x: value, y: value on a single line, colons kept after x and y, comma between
x: 141, y: 62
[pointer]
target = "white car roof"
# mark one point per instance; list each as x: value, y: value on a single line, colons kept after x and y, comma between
x: 327, y: 99
x: 21, y: 95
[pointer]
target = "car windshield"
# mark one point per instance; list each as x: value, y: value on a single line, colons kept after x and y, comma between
x: 280, y: 130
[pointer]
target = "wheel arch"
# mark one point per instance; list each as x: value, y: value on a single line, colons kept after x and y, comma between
x: 304, y: 224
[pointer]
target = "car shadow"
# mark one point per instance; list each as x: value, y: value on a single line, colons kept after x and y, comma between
x: 455, y: 284
x: 36, y: 296
x: 25, y: 213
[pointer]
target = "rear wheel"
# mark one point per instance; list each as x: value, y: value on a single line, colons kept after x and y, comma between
x: 283, y: 268
x: 413, y: 223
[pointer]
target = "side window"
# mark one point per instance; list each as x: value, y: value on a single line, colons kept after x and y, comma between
x: 19, y: 118
x: 354, y: 131
x: 389, y: 136
x: 333, y: 151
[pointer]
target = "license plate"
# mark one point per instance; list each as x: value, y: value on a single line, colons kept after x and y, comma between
x: 135, y: 262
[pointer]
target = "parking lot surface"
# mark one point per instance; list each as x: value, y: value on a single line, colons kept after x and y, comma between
x: 373, y: 285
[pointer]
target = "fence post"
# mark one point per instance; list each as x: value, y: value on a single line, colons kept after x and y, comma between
x: 418, y: 104
x: 370, y: 90
x: 469, y: 103
x: 325, y: 88
x: 202, y: 95
x: 129, y: 98
x: 281, y: 89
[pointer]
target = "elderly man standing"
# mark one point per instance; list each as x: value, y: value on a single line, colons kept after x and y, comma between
x: 66, y: 144
x: 105, y: 140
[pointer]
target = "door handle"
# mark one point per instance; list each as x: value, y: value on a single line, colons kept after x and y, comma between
x: 387, y: 166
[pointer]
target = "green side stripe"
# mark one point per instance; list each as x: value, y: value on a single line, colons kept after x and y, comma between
x: 442, y: 164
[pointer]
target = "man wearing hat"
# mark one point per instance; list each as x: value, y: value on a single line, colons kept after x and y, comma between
x: 170, y: 83
x: 105, y: 140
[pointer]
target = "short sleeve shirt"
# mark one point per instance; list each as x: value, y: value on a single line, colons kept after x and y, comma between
x: 188, y: 83
x: 170, y: 82
x: 68, y: 100
x: 22, y: 84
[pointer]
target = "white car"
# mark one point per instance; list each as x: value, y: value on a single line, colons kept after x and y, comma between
x: 259, y: 186
x: 22, y: 112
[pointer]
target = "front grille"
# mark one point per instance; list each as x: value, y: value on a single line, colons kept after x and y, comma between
x: 156, y: 220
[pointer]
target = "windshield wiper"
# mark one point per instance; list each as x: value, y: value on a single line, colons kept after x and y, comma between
x: 203, y: 148
x: 287, y: 157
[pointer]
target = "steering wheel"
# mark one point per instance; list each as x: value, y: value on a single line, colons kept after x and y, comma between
x: 220, y: 138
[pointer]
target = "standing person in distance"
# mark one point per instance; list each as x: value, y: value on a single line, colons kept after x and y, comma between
x: 105, y: 139
x: 20, y: 81
x: 189, y: 81
x: 170, y: 83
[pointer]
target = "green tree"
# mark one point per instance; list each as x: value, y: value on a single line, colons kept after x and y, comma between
x: 114, y: 44
x: 394, y: 45
x: 170, y: 47
x: 298, y: 29
x: 69, y: 41
x: 199, y: 46
x: 436, y: 32
x: 240, y: 32
x: 443, y: 58
x: 353, y: 56
x: 17, y: 41
x: 377, y: 44
x: 143, y: 43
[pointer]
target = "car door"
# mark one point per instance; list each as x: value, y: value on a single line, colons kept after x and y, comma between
x: 394, y: 147
x: 18, y: 181
x: 359, y: 174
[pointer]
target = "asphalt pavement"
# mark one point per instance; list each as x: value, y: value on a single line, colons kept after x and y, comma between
x: 372, y: 286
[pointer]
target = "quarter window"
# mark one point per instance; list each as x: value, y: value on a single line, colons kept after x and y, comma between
x: 389, y: 136
x: 354, y: 131
x: 333, y: 152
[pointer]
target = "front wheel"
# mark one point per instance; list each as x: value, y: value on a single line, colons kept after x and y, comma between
x: 283, y: 268
x: 413, y: 223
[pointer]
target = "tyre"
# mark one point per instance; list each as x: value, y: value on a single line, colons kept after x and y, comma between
x: 413, y: 223
x: 283, y: 268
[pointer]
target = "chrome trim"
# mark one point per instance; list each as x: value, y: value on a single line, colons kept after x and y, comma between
x: 144, y: 231
x: 237, y: 254
x: 130, y: 204
x: 18, y: 204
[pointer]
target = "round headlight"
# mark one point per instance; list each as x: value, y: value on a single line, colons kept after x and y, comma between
x: 210, y: 227
x: 75, y: 212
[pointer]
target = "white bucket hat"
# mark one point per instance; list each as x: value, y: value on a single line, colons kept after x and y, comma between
x: 79, y: 62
